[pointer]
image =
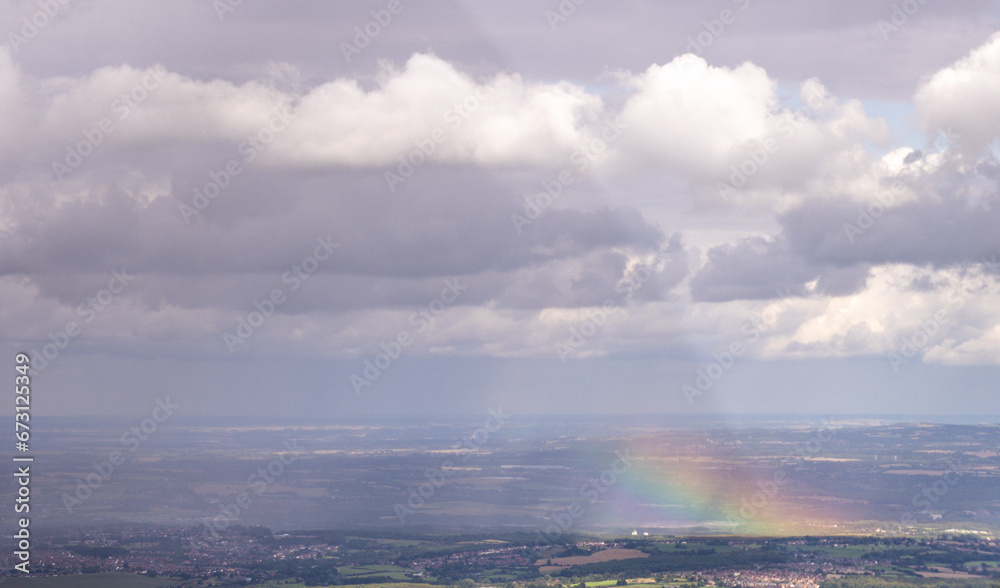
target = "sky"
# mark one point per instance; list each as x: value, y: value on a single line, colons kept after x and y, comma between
x: 390, y: 208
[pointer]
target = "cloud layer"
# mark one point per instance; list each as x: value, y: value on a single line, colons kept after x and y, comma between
x: 653, y: 209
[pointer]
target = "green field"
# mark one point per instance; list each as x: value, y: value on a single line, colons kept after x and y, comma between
x: 394, y: 572
x: 91, y: 581
x: 403, y: 542
x: 656, y: 585
x: 672, y: 547
x: 851, y: 551
x: 386, y: 585
x: 671, y: 584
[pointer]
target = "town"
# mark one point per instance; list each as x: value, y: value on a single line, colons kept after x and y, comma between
x: 256, y: 556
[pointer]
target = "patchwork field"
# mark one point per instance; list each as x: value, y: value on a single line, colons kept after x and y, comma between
x: 599, y: 557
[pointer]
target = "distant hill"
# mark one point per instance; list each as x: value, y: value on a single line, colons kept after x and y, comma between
x: 90, y: 581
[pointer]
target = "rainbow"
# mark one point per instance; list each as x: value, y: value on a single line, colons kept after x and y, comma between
x: 664, y: 489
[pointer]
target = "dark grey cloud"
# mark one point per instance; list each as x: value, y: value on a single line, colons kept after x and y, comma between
x: 757, y: 268
x: 602, y: 276
x: 954, y: 220
x: 394, y: 248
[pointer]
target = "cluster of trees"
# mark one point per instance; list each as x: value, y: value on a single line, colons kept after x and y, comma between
x: 883, y: 582
x: 921, y: 557
x: 694, y: 559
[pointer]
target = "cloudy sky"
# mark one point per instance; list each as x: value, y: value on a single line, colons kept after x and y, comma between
x: 328, y: 209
